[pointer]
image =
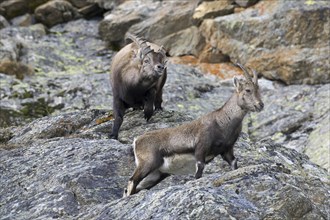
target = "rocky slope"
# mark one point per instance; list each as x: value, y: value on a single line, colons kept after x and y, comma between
x: 65, y: 167
x: 55, y: 112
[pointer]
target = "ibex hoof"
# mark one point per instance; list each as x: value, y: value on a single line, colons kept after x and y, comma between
x: 112, y: 136
x: 125, y: 193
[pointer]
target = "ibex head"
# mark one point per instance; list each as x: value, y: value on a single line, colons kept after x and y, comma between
x: 248, y: 91
x: 152, y: 58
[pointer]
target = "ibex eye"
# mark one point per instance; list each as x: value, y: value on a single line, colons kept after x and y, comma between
x: 248, y: 90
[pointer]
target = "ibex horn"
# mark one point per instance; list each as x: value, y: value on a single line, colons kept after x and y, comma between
x: 162, y: 50
x: 255, y: 76
x: 141, y: 43
x: 245, y: 72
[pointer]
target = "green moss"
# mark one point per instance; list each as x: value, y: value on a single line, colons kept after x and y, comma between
x: 278, y: 136
x: 194, y: 107
x: 318, y: 147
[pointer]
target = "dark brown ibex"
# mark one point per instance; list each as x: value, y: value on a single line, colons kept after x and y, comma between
x: 138, y: 74
x: 178, y: 150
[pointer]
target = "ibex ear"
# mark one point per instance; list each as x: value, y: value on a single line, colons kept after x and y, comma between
x: 237, y: 84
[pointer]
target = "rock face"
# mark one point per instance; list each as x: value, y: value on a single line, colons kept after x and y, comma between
x: 3, y: 22
x: 212, y: 9
x: 286, y: 41
x: 14, y: 8
x: 56, y: 159
x: 154, y: 20
x: 71, y: 170
x: 293, y: 46
x: 56, y: 12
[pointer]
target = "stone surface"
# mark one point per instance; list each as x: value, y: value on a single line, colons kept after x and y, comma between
x: 246, y: 3
x: 56, y: 59
x: 77, y: 79
x: 107, y: 4
x: 114, y: 27
x: 213, y: 9
x: 3, y: 22
x: 23, y: 20
x: 174, y: 17
x: 56, y: 12
x: 14, y: 8
x: 293, y: 46
x: 57, y: 162
x: 71, y: 170
x: 187, y: 41
x: 156, y: 21
x: 79, y: 3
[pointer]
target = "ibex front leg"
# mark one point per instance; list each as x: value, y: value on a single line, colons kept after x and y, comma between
x: 200, y: 161
x: 119, y: 111
x: 149, y: 104
x: 230, y: 158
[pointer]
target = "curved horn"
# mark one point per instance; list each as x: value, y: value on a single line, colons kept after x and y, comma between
x: 245, y: 72
x: 162, y: 50
x: 255, y: 76
x: 144, y: 49
x: 138, y: 41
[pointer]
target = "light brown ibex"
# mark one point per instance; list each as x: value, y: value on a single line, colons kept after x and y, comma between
x: 188, y: 147
x: 138, y: 74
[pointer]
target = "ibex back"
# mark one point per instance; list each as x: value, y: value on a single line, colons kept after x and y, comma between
x: 138, y: 74
x: 187, y: 148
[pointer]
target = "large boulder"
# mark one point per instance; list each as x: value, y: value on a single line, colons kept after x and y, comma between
x: 56, y: 12
x: 212, y: 9
x: 14, y: 8
x: 187, y: 41
x: 284, y: 40
x: 174, y: 17
x: 13, y: 55
x: 3, y: 22
x: 297, y: 117
x: 66, y: 63
x: 161, y: 22
x: 246, y: 3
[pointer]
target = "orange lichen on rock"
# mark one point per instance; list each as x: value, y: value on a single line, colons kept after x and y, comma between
x: 222, y: 70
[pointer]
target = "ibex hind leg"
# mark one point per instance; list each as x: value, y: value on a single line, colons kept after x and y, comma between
x: 136, y: 178
x: 151, y: 180
x: 140, y: 173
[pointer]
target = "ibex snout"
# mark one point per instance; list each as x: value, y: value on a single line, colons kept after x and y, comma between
x: 259, y: 106
x: 159, y: 67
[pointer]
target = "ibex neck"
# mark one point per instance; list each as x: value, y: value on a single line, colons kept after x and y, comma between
x: 231, y: 113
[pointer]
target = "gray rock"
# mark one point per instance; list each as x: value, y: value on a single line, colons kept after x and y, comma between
x: 56, y: 12
x: 293, y: 46
x: 246, y: 3
x: 14, y: 8
x: 174, y: 17
x: 213, y: 9
x: 23, y: 20
x: 79, y: 3
x: 106, y: 4
x: 157, y: 21
x: 3, y: 22
x: 114, y: 27
x: 187, y: 41
x: 63, y: 166
x: 71, y: 170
